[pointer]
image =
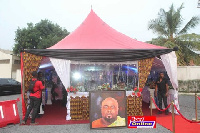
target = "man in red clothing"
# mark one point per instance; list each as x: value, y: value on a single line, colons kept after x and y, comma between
x: 35, y: 97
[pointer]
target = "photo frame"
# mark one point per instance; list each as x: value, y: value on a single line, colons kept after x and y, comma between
x: 108, y: 109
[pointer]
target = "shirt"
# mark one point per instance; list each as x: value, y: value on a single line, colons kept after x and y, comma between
x: 161, y: 85
x: 119, y: 122
x: 38, y: 87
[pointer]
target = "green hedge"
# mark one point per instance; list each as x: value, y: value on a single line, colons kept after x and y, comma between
x: 189, y: 85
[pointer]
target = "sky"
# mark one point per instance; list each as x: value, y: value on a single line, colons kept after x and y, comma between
x: 129, y: 17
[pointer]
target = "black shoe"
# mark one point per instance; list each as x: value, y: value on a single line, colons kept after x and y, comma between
x: 159, y: 112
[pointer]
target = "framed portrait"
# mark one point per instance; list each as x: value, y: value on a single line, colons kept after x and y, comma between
x: 108, y: 109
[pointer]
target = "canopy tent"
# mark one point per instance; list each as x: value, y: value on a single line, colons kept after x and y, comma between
x: 96, y: 41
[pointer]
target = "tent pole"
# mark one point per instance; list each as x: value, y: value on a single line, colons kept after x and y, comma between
x: 150, y: 105
x: 173, y: 117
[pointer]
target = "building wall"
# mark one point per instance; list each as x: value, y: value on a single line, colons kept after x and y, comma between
x: 5, y: 70
x: 5, y: 65
x: 4, y: 56
x: 188, y: 72
x: 9, y: 64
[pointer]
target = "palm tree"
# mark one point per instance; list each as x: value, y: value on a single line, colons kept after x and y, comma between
x: 168, y: 26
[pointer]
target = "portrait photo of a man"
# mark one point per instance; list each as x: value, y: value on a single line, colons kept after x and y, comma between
x: 107, y: 109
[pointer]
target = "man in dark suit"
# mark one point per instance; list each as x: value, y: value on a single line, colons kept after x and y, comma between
x: 162, y: 88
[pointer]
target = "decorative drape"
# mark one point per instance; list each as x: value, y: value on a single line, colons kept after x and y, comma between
x: 30, y: 63
x: 170, y: 62
x: 144, y: 67
x: 134, y: 106
x: 62, y: 68
x: 79, y: 108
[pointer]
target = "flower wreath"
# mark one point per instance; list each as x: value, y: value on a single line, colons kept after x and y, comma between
x: 72, y: 89
x: 137, y: 92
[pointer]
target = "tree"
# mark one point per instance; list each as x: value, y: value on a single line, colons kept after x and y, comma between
x: 191, y: 41
x: 168, y: 26
x: 39, y: 36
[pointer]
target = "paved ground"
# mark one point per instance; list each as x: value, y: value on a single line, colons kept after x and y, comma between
x: 186, y: 104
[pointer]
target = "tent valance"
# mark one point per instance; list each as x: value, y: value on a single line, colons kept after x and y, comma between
x: 100, y: 55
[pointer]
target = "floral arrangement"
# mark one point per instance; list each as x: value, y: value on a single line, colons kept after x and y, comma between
x: 80, y: 87
x: 137, y: 92
x: 106, y: 86
x: 72, y: 89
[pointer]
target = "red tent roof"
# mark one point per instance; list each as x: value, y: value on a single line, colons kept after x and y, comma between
x: 93, y: 33
x: 95, y: 41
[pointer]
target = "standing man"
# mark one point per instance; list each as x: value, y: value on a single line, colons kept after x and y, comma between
x: 40, y: 78
x: 162, y: 88
x: 34, y: 99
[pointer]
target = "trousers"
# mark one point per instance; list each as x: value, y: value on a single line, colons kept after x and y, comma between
x: 162, y: 97
x: 34, y: 105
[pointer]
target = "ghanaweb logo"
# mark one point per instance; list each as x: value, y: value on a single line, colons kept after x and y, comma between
x: 141, y: 122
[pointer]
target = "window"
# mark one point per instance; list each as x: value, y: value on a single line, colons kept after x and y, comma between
x: 5, y: 61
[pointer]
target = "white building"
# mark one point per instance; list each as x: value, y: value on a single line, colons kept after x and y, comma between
x: 9, y: 65
x: 188, y: 72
